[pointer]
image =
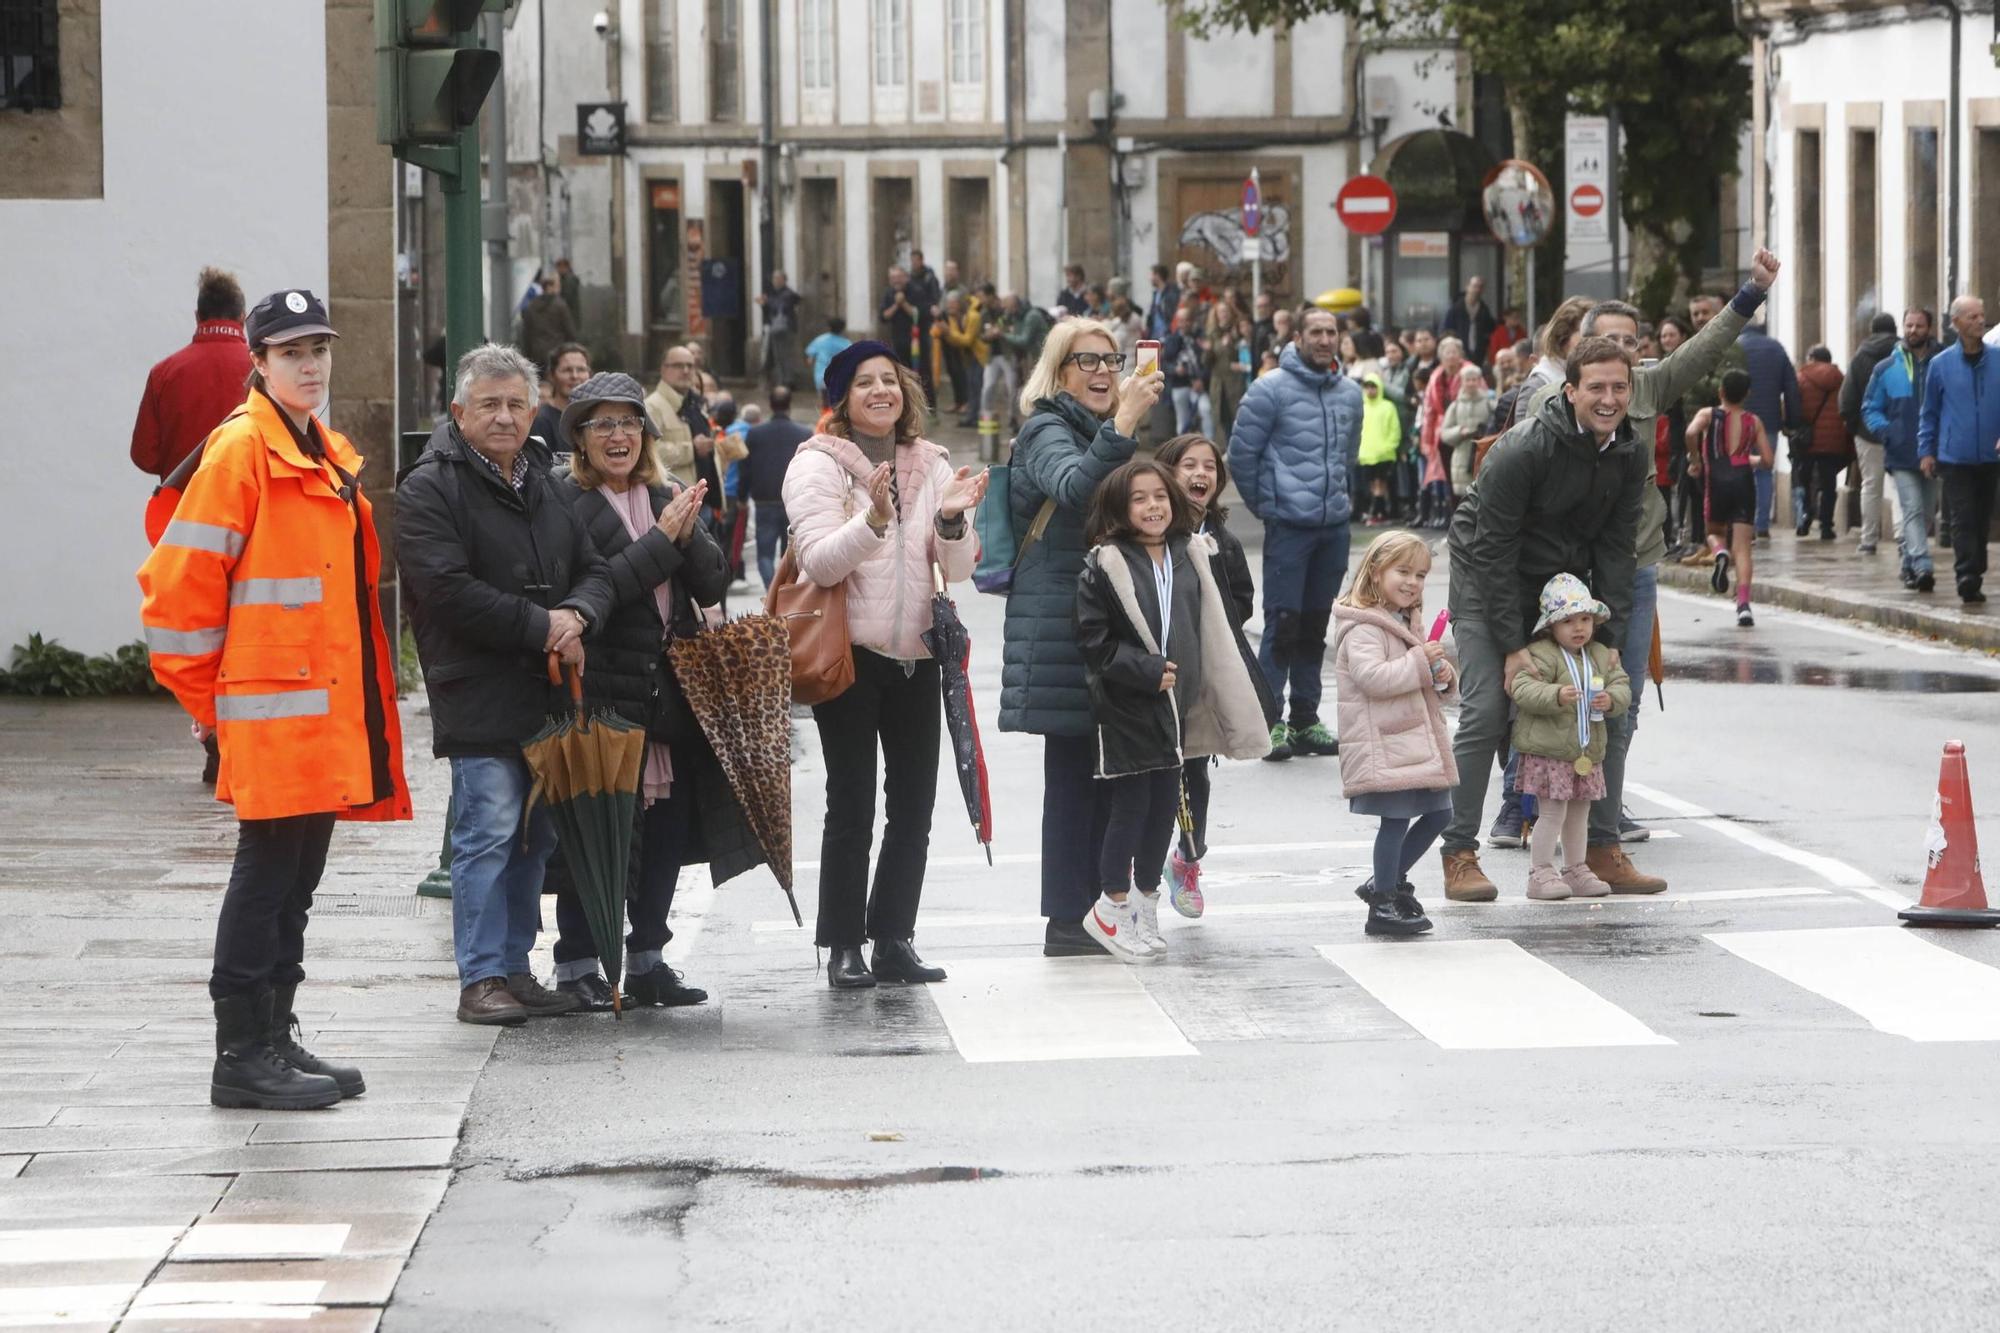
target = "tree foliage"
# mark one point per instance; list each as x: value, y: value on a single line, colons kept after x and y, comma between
x: 1673, y: 70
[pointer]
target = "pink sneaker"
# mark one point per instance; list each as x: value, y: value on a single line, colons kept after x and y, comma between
x: 1583, y: 882
x: 1186, y: 877
x: 1545, y: 885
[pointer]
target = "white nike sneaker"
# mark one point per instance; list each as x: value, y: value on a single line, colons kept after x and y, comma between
x: 1116, y: 927
x: 1149, y: 920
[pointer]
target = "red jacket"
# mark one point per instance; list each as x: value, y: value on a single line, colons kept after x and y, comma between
x: 1819, y: 407
x: 189, y: 394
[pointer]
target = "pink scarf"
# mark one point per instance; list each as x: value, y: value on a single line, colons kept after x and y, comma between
x: 634, y: 507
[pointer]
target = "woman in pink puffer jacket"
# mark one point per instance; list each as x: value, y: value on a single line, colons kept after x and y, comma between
x: 874, y: 505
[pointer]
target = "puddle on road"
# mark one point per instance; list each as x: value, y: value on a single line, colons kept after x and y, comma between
x: 1757, y: 669
x: 933, y: 1175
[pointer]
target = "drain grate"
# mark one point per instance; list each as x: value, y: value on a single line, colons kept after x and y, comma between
x: 367, y: 904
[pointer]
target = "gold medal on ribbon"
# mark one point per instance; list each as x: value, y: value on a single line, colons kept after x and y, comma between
x: 1583, y: 766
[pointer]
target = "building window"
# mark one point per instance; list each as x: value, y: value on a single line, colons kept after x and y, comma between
x: 968, y: 41
x: 1808, y: 196
x: 725, y: 60
x: 890, y: 43
x: 816, y: 45
x: 1923, y: 194
x: 29, y: 56
x: 1864, y: 288
x: 660, y: 82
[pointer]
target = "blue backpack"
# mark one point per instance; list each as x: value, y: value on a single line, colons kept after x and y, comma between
x: 994, y: 522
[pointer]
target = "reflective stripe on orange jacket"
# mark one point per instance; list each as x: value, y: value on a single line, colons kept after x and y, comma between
x: 252, y: 615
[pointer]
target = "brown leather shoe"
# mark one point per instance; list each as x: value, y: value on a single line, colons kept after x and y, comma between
x: 489, y: 1003
x: 1611, y: 865
x: 1464, y: 881
x: 539, y: 1000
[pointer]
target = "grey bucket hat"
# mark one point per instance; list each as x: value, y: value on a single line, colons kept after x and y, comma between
x: 608, y: 386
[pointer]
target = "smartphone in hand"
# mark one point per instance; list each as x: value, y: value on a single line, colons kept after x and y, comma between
x: 1148, y: 357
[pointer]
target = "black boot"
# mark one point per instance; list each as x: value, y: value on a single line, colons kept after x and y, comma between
x: 1409, y: 908
x: 896, y: 960
x: 845, y: 970
x: 283, y: 1023
x: 249, y: 1074
x: 1385, y: 919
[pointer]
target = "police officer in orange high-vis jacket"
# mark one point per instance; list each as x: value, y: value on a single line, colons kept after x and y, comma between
x: 262, y: 615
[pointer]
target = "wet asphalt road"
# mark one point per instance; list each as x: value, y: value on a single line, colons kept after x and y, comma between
x: 1271, y: 1137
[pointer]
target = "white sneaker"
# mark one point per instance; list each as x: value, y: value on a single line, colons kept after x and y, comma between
x: 1149, y: 921
x: 1116, y: 927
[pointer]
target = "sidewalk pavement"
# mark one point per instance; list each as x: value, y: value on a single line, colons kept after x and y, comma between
x: 126, y: 1200
x: 1830, y: 579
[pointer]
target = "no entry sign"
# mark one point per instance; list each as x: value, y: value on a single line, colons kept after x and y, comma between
x: 1586, y: 201
x: 1366, y: 205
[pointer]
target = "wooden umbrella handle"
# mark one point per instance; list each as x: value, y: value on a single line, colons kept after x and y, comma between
x: 556, y: 673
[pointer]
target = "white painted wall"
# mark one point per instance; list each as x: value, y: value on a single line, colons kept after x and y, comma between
x: 1138, y: 57
x: 1231, y: 75
x: 1046, y: 33
x: 1907, y: 61
x: 1426, y: 88
x: 1319, y: 67
x: 106, y: 286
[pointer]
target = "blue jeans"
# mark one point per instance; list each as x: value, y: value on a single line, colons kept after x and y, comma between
x: 771, y: 521
x: 1303, y: 569
x: 1767, y: 492
x: 1916, y: 497
x: 1618, y: 732
x: 496, y: 882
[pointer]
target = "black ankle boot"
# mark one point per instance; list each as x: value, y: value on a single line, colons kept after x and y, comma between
x: 1385, y: 919
x: 249, y: 1074
x: 283, y: 1024
x: 895, y: 960
x: 845, y: 970
x: 1409, y: 908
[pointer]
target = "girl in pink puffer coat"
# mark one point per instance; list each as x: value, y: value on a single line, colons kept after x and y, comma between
x: 1395, y: 753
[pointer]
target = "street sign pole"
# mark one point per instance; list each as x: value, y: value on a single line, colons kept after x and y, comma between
x: 464, y: 243
x: 1253, y: 228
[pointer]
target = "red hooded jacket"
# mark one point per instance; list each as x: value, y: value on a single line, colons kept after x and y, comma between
x: 189, y: 394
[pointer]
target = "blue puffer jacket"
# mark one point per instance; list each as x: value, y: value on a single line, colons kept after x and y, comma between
x: 1961, y: 416
x: 1893, y: 402
x: 1294, y: 450
x: 1062, y: 452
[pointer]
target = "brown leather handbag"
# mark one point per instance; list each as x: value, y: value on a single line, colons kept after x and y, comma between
x: 815, y: 619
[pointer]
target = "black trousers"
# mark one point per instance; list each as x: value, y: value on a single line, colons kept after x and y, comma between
x: 659, y: 848
x: 1074, y: 807
x: 897, y: 705
x: 260, y: 934
x: 1138, y: 829
x: 1968, y: 498
x: 1820, y: 477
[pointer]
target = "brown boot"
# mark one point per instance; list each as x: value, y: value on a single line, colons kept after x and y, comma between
x: 1611, y: 865
x: 539, y: 1000
x: 1464, y: 881
x: 487, y: 1002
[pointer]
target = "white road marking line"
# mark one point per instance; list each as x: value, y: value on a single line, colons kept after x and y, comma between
x: 1482, y: 995
x: 1020, y: 1009
x: 1900, y: 982
x: 694, y: 899
x: 232, y: 1300
x: 1239, y: 849
x: 1346, y: 905
x: 36, y: 1307
x: 1834, y: 871
x: 263, y: 1240
x: 82, y: 1245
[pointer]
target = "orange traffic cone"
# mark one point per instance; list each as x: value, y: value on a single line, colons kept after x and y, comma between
x: 1954, y: 893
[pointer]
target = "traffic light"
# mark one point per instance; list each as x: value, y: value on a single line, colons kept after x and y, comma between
x: 431, y: 78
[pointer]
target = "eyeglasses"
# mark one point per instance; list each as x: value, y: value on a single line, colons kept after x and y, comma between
x: 614, y: 425
x: 680, y: 365
x: 1088, y: 361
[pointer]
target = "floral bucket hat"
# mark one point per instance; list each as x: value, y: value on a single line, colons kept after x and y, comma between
x: 1564, y: 596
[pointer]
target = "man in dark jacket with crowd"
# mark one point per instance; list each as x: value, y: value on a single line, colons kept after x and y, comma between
x: 1868, y: 446
x: 1294, y: 454
x: 762, y: 476
x: 1774, y: 399
x: 1561, y: 492
x: 1470, y: 321
x: 497, y: 574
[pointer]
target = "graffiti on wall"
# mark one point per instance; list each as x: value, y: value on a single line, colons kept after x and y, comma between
x: 1220, y: 231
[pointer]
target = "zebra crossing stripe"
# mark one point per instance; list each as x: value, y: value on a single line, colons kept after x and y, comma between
x: 1001, y: 1010
x: 1899, y: 982
x: 1485, y: 995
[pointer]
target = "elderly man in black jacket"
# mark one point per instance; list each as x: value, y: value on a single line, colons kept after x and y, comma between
x: 497, y: 573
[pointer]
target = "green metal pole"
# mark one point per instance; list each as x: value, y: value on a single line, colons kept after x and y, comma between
x: 464, y: 251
